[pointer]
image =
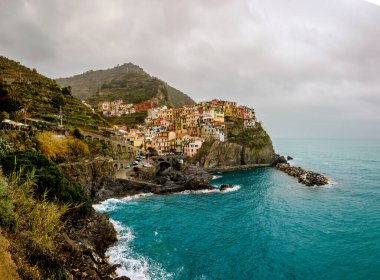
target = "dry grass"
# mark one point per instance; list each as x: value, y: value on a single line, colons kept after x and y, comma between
x: 38, y: 226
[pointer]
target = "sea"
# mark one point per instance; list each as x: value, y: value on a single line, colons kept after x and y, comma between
x: 267, y: 227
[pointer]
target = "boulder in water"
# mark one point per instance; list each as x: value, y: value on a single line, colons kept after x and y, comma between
x: 225, y: 187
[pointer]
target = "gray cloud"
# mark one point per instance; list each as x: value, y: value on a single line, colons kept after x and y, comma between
x: 310, y: 68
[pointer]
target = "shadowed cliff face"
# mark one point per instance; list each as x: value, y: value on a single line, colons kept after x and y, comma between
x: 225, y: 154
x: 245, y: 146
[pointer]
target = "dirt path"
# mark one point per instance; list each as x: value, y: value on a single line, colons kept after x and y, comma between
x: 7, y: 266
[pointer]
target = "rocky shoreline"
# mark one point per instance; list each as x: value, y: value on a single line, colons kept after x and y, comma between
x: 236, y: 168
x: 87, y: 240
x: 304, y: 176
x: 83, y: 248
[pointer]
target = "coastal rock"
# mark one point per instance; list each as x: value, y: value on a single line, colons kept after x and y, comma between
x: 83, y: 247
x: 92, y: 174
x: 192, y: 178
x: 222, y: 156
x: 304, y: 176
x: 280, y: 159
x: 289, y: 158
x: 225, y: 187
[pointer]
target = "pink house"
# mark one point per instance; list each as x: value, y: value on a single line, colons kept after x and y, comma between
x: 191, y: 148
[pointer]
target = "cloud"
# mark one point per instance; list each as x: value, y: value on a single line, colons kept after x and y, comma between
x: 310, y: 68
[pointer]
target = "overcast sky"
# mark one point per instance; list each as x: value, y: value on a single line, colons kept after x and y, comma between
x: 309, y: 68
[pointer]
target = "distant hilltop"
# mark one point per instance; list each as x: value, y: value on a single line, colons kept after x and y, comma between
x: 24, y: 93
x: 127, y: 82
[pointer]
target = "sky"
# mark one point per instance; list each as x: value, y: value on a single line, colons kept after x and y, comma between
x: 310, y: 69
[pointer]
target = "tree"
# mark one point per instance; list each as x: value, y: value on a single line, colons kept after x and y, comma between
x: 9, y: 105
x: 58, y: 101
x: 77, y: 133
x: 66, y: 90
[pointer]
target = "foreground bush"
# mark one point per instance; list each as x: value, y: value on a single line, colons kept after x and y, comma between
x: 33, y: 227
x: 50, y: 182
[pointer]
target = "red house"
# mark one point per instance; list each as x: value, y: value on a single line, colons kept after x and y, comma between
x: 144, y: 106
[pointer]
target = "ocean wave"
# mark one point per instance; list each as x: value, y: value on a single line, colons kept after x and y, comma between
x: 108, y: 205
x: 133, y: 265
x: 214, y: 177
x: 216, y: 190
x: 112, y: 204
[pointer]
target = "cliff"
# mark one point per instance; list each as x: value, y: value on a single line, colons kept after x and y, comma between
x: 100, y: 182
x: 245, y: 147
x: 92, y: 175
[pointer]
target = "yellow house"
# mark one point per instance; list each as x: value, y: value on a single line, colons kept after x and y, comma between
x: 228, y: 112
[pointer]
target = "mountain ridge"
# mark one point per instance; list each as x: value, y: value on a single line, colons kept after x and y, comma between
x: 127, y: 81
x: 22, y: 88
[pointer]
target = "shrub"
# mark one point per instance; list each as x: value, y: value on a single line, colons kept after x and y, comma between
x: 7, y: 215
x: 50, y: 182
x: 77, y: 148
x: 5, y: 147
x: 77, y: 133
x: 4, y: 115
x: 38, y: 226
x: 52, y: 148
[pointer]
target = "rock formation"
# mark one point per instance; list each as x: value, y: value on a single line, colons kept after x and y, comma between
x: 246, y: 147
x: 304, y: 176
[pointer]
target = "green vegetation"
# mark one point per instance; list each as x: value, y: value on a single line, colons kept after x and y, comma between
x: 99, y: 148
x: 254, y: 137
x: 41, y: 97
x: 127, y: 82
x: 33, y: 227
x: 19, y: 140
x: 50, y: 182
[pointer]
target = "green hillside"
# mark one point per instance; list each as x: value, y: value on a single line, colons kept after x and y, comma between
x: 21, y: 87
x: 128, y: 82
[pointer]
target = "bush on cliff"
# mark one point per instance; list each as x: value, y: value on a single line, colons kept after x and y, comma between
x: 253, y: 137
x: 50, y: 182
x: 61, y: 148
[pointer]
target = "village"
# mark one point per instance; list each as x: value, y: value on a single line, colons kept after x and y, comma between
x: 179, y: 131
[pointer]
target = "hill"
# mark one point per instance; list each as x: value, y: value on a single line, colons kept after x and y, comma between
x: 127, y: 82
x: 23, y: 88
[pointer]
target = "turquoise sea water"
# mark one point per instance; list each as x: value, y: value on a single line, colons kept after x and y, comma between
x: 269, y: 227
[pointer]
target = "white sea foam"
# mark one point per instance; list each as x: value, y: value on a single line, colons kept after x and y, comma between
x: 233, y: 189
x: 108, y: 205
x: 331, y: 183
x: 214, y: 177
x: 133, y: 265
x: 112, y: 204
x: 216, y: 190
x: 136, y: 196
x: 199, y: 191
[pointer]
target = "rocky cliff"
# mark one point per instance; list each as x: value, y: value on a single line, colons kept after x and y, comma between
x: 93, y: 175
x: 245, y: 147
